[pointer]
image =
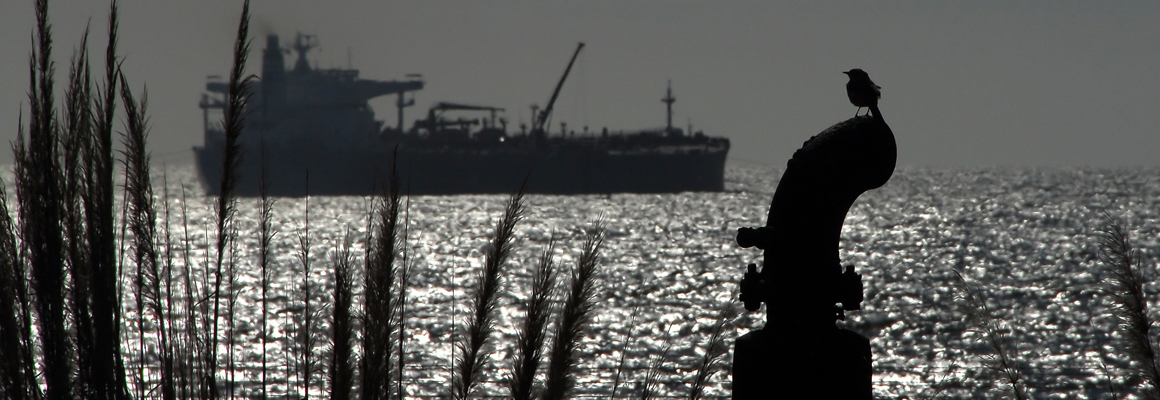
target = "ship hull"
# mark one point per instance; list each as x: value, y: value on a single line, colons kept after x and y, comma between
x: 296, y: 171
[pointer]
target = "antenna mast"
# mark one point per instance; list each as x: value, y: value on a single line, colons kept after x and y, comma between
x: 303, y: 44
x: 669, y: 100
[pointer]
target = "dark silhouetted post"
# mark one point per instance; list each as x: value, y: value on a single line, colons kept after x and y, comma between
x: 801, y: 353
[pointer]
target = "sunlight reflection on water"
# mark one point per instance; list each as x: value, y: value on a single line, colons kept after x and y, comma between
x: 1026, y: 236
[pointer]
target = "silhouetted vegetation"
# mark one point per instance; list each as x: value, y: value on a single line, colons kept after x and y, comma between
x: 574, y: 318
x: 342, y: 326
x: 378, y: 315
x: 715, y: 349
x: 61, y: 261
x: 266, y: 234
x: 534, y: 331
x: 62, y: 310
x: 1125, y: 285
x: 1002, y: 359
x: 481, y: 323
x: 1124, y: 281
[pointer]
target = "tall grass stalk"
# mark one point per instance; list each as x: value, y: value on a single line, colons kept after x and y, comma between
x: 577, y: 314
x: 942, y: 384
x: 76, y: 138
x: 17, y: 376
x: 1109, y: 378
x: 1125, y: 285
x: 648, y: 387
x: 177, y: 345
x: 194, y: 351
x: 143, y: 224
x: 108, y: 365
x: 342, y: 324
x: 306, y: 333
x: 143, y: 257
x: 234, y: 122
x: 973, y: 306
x: 529, y: 350
x: 38, y: 175
x: 231, y: 313
x: 715, y: 349
x: 290, y: 357
x: 139, y: 297
x: 207, y: 364
x: 174, y: 318
x: 266, y: 234
x: 402, y: 386
x: 473, y: 346
x: 121, y: 244
x: 378, y: 313
x: 18, y: 257
x: 616, y: 380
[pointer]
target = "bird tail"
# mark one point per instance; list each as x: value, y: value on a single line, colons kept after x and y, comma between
x: 877, y: 114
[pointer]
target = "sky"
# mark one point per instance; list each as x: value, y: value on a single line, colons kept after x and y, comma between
x: 1062, y: 83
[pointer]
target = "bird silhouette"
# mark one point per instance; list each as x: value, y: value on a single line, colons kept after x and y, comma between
x: 861, y: 90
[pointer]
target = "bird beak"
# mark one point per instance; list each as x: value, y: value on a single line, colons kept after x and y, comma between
x: 846, y: 72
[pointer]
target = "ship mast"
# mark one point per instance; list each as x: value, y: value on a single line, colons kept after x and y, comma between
x: 303, y: 44
x: 401, y: 105
x: 668, y: 100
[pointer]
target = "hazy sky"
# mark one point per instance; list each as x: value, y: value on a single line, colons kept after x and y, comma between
x: 963, y: 83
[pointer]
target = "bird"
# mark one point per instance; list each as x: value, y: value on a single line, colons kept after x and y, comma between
x: 861, y: 90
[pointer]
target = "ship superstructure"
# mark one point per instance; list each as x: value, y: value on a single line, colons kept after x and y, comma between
x: 317, y: 135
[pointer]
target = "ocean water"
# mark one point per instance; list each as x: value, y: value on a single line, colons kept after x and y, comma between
x: 1027, y: 238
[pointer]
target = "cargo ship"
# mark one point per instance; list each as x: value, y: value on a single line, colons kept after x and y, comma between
x: 312, y: 132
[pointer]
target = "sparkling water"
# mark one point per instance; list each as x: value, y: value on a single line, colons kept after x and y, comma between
x: 1027, y: 239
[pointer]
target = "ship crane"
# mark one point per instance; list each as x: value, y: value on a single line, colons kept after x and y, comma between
x: 542, y: 119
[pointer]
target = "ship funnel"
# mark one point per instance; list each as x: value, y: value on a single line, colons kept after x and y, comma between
x: 273, y: 84
x: 273, y: 65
